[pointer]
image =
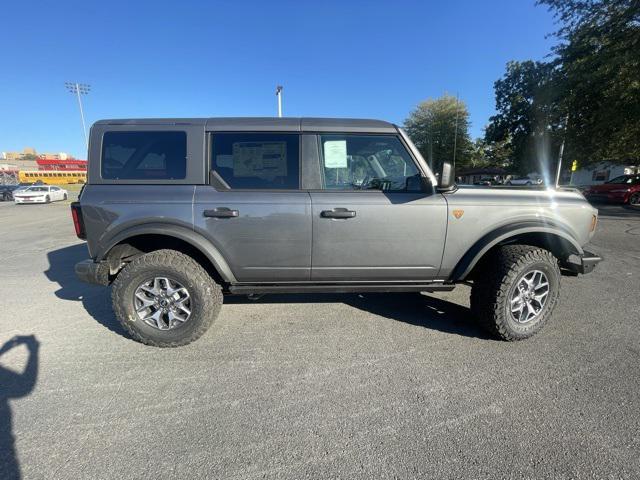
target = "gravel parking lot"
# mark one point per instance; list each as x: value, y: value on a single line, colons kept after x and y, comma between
x: 315, y: 386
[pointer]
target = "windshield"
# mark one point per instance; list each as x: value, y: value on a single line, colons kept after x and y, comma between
x: 37, y: 189
x: 626, y: 179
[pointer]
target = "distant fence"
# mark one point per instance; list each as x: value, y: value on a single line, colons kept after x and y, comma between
x: 8, y: 178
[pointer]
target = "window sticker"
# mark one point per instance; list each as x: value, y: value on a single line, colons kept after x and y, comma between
x: 224, y: 161
x: 260, y: 159
x: 335, y: 154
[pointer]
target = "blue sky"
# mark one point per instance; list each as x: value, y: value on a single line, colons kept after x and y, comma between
x: 224, y: 58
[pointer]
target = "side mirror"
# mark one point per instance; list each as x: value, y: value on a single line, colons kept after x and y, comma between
x: 418, y: 183
x: 446, y: 180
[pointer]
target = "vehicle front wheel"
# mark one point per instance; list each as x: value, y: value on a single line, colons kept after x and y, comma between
x: 166, y: 299
x: 516, y: 291
x: 64, y: 197
x: 635, y: 199
x: 47, y: 199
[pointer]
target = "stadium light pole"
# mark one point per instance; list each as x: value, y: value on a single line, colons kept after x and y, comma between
x: 80, y: 89
x: 279, y: 95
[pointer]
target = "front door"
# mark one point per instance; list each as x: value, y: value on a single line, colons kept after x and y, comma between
x: 254, y: 212
x: 373, y: 219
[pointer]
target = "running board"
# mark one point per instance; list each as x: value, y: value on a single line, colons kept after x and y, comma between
x: 247, y: 289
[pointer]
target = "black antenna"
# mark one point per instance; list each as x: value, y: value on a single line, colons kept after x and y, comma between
x: 455, y: 134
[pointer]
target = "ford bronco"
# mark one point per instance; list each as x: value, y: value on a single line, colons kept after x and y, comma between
x: 178, y: 213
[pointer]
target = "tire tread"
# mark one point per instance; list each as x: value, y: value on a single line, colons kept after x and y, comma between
x: 178, y: 260
x: 491, y: 287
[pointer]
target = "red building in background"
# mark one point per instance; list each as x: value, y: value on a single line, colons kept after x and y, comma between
x: 64, y: 165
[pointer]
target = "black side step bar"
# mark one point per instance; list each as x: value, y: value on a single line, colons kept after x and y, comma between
x: 246, y: 289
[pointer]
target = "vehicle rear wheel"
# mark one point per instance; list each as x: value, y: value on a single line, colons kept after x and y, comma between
x: 64, y: 197
x: 635, y: 199
x: 517, y: 291
x: 166, y: 299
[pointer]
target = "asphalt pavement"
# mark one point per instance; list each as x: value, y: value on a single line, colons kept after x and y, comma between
x: 315, y: 386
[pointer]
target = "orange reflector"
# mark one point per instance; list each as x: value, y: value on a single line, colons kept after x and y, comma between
x: 594, y: 222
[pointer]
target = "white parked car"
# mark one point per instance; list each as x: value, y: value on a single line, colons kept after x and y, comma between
x: 40, y: 194
x: 524, y: 181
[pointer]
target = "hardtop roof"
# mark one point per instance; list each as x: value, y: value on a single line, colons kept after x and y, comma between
x: 228, y: 124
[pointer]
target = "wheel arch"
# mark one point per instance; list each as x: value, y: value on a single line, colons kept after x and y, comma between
x: 548, y: 236
x: 134, y: 241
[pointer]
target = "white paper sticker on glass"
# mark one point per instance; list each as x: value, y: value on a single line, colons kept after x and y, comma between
x: 335, y: 154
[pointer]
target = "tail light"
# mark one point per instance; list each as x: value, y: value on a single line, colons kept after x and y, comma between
x: 78, y: 221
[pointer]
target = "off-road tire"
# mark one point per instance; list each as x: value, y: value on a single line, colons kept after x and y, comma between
x: 206, y: 297
x: 495, y: 282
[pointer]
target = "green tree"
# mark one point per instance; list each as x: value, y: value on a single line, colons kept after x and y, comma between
x: 494, y: 154
x: 528, y: 125
x: 599, y: 57
x: 438, y: 127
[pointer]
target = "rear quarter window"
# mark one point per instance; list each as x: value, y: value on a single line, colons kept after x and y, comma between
x: 144, y: 155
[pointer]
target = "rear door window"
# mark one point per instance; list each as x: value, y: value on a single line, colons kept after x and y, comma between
x: 257, y: 161
x: 144, y: 155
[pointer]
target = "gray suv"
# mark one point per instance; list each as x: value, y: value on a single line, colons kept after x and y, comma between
x: 178, y: 213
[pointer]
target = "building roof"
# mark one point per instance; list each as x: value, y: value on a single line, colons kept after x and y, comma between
x: 267, y: 124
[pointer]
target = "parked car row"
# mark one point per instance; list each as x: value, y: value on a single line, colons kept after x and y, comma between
x: 31, y: 193
x: 497, y: 180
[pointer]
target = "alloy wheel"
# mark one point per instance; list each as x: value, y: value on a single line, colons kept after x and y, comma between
x: 162, y: 303
x: 530, y: 296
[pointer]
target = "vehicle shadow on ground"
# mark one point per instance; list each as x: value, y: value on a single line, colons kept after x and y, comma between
x: 411, y: 308
x: 95, y: 299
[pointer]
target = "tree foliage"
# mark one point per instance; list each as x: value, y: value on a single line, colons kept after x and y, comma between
x: 528, y: 121
x: 599, y: 56
x: 588, y: 94
x: 438, y: 127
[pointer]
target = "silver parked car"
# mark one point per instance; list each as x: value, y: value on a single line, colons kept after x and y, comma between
x: 178, y: 213
x: 524, y: 181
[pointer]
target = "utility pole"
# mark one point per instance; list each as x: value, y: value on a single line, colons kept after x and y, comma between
x: 566, y: 126
x: 80, y: 89
x: 279, y: 95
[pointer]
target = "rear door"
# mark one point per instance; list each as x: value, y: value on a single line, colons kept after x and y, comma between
x: 373, y: 219
x: 253, y: 210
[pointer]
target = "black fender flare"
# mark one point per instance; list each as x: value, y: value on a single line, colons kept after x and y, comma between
x: 554, y: 235
x: 185, y: 234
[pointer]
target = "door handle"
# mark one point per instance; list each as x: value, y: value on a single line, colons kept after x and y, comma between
x: 338, y: 213
x: 222, y: 212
